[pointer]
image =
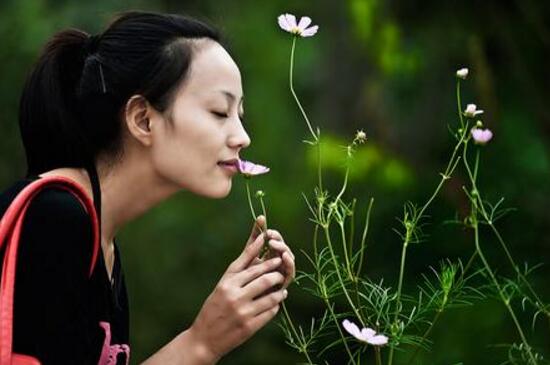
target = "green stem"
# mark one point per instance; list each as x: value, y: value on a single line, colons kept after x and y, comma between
x: 303, y: 346
x: 451, y: 166
x: 340, y: 279
x: 506, y: 301
x: 263, y: 210
x: 344, y: 339
x: 488, y: 219
x: 398, y: 295
x: 352, y: 230
x: 250, y: 200
x: 315, y: 138
x: 364, y: 237
x: 459, y: 103
x: 319, y: 164
x: 378, y: 356
x: 346, y: 256
x: 425, y: 335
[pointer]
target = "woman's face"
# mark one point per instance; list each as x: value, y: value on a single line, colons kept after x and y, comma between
x: 206, y: 116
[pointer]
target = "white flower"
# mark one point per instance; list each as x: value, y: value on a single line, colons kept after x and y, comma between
x: 471, y: 111
x: 462, y: 73
x: 367, y: 335
x: 288, y: 23
x: 360, y: 136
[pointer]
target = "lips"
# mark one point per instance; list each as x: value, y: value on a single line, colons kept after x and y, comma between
x: 231, y: 162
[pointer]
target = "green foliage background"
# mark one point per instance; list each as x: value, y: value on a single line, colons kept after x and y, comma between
x: 386, y: 67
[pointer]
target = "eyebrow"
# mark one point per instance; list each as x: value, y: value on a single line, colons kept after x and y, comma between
x: 231, y: 96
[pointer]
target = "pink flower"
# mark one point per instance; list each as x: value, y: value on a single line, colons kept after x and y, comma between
x: 471, y: 111
x: 288, y: 22
x: 481, y: 136
x: 249, y: 169
x: 367, y: 335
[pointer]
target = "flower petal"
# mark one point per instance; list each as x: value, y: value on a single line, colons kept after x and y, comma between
x: 367, y: 333
x: 378, y: 340
x: 481, y: 136
x: 283, y: 23
x: 310, y: 31
x: 352, y: 329
x: 248, y: 168
x: 304, y: 22
x: 291, y: 20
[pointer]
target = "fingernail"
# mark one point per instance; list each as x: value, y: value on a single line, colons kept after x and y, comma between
x: 285, y: 293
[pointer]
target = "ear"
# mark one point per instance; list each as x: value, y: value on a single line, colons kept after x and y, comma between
x: 137, y: 115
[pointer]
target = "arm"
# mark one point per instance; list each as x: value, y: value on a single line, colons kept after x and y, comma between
x: 184, y: 349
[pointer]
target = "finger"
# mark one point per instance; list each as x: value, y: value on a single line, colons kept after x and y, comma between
x: 254, y: 271
x: 276, y: 235
x: 280, y: 247
x: 273, y: 233
x: 269, y: 301
x: 256, y: 261
x: 258, y: 227
x: 261, y: 284
x: 248, y: 255
x: 261, y: 319
x: 290, y: 269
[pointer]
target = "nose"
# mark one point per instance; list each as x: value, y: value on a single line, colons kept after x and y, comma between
x: 239, y: 138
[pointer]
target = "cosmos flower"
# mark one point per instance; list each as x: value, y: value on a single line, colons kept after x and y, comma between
x: 288, y: 22
x: 481, y: 136
x: 367, y: 335
x: 471, y: 111
x: 249, y: 169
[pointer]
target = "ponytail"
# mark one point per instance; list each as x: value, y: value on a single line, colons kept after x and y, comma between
x: 47, y: 106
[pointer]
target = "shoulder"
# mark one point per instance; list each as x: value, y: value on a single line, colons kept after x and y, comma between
x: 58, y: 220
x: 56, y: 202
x: 56, y: 223
x: 56, y: 236
x: 49, y: 202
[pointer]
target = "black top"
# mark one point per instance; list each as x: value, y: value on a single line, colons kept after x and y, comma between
x: 62, y: 316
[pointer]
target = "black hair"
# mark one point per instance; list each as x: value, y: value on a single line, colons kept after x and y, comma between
x: 72, y: 100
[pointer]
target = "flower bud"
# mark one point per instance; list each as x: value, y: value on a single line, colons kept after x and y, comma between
x: 360, y: 136
x: 462, y: 73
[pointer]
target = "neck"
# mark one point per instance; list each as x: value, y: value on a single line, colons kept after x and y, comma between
x: 128, y: 190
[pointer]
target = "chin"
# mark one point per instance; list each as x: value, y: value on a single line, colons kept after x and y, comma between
x: 220, y: 193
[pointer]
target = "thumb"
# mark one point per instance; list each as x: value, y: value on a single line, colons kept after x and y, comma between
x: 248, y: 255
x: 259, y: 226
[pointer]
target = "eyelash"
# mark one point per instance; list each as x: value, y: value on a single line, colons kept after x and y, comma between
x: 220, y: 115
x: 223, y: 115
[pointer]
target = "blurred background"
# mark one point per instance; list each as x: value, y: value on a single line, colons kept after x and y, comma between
x: 387, y: 67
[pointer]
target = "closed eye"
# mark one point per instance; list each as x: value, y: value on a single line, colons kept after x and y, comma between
x: 220, y: 114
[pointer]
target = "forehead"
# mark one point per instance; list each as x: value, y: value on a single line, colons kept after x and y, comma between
x: 212, y: 70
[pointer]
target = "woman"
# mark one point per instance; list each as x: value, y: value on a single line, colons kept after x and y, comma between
x: 150, y: 107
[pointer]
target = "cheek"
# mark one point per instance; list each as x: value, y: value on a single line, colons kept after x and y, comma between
x: 187, y: 157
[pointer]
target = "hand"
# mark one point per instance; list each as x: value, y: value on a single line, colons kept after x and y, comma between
x: 278, y: 247
x: 238, y: 306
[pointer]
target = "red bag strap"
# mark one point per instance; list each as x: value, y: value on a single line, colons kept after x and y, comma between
x: 10, y: 232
